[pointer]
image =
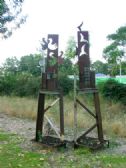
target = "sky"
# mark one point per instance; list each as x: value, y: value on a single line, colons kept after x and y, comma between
x: 100, y: 17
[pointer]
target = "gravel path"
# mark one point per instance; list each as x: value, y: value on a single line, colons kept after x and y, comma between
x: 26, y: 129
x: 23, y: 127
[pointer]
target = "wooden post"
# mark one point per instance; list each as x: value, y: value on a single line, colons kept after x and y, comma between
x: 98, y: 117
x: 40, y: 116
x: 75, y: 109
x: 61, y: 116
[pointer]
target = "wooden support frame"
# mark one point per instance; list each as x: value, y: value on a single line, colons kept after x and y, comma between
x: 96, y: 115
x: 41, y: 114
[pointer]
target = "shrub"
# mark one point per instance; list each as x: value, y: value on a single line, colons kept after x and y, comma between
x: 113, y: 90
x: 65, y: 83
x: 19, y: 85
x: 27, y: 85
x: 7, y: 84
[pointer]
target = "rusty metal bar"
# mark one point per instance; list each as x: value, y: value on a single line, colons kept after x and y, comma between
x: 51, y: 105
x: 89, y: 130
x: 40, y: 116
x: 98, y: 117
x: 78, y: 101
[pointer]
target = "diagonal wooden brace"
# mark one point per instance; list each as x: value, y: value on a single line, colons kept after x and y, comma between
x: 78, y: 101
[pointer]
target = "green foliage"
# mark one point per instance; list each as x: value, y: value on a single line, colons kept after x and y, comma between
x: 66, y: 84
x: 11, y: 65
x: 113, y: 90
x: 19, y: 85
x: 123, y: 65
x: 114, y: 52
x: 2, y: 7
x: 7, y: 84
x: 10, y: 11
x: 119, y: 37
x: 71, y: 48
x: 20, y: 78
x: 29, y: 64
x: 100, y: 67
x: 26, y: 85
x: 66, y: 68
x: 23, y: 77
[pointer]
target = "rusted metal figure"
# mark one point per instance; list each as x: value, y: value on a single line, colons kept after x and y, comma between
x: 50, y: 77
x: 86, y: 76
x: 87, y: 85
x: 50, y: 87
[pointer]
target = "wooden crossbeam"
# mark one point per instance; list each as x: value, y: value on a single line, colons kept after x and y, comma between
x: 49, y: 121
x: 78, y: 101
x: 52, y: 126
x: 51, y: 105
x: 89, y: 130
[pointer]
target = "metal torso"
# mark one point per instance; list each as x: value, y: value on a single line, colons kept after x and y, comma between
x: 86, y: 76
x: 50, y: 77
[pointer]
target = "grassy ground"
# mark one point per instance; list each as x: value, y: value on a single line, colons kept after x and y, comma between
x: 13, y: 156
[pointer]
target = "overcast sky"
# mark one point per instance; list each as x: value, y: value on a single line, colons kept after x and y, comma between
x: 100, y: 17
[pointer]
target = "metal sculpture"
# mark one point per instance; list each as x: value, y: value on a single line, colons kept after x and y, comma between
x: 50, y: 87
x: 50, y: 77
x: 86, y: 76
x: 86, y: 85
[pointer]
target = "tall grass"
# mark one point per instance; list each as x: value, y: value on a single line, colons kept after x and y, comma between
x: 20, y: 107
x: 113, y: 114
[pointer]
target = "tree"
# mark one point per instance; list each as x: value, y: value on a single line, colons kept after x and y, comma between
x: 27, y: 64
x: 123, y: 68
x: 100, y: 67
x: 30, y: 63
x: 20, y: 77
x: 114, y: 52
x: 70, y: 53
x: 11, y: 65
x: 10, y: 16
x: 71, y: 48
x: 66, y: 68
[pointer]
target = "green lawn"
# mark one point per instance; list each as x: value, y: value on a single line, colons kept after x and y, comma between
x: 13, y: 156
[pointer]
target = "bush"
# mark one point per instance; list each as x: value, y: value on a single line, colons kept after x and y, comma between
x: 66, y: 84
x: 7, y: 84
x: 19, y: 85
x: 25, y: 84
x: 113, y: 90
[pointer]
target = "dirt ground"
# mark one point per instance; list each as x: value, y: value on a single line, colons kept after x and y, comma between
x: 25, y: 128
